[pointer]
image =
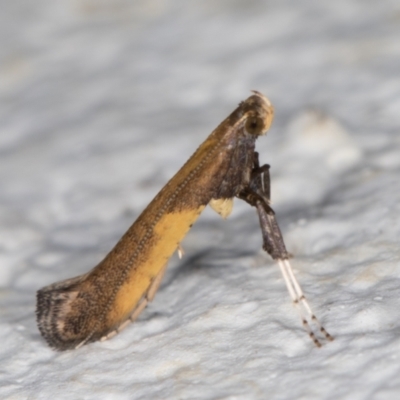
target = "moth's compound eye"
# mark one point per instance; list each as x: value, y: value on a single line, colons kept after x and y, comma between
x: 254, y: 125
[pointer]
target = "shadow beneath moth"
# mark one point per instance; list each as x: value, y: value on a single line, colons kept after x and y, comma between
x: 99, y: 304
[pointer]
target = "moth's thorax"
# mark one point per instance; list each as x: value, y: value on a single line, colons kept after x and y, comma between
x: 235, y: 138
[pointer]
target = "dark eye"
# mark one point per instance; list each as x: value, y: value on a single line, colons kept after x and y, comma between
x: 254, y: 125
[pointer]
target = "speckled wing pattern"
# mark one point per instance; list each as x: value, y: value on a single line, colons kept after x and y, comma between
x: 98, y: 304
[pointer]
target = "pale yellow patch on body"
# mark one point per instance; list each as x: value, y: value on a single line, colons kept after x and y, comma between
x: 169, y: 231
x: 222, y: 206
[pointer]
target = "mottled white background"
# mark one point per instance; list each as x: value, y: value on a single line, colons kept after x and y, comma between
x: 101, y: 101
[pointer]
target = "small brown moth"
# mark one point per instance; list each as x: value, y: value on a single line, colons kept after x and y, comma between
x: 99, y: 304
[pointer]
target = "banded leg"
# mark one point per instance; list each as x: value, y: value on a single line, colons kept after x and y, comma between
x: 257, y: 194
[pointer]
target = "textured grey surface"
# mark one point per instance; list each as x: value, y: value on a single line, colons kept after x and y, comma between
x: 102, y: 101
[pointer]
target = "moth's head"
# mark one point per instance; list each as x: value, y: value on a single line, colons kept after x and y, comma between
x: 258, y: 113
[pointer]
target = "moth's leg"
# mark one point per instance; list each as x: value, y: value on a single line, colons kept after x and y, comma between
x: 274, y: 245
x: 299, y: 297
x: 261, y: 184
x: 273, y: 242
x: 180, y: 251
x: 155, y: 284
x: 258, y: 194
x: 260, y: 179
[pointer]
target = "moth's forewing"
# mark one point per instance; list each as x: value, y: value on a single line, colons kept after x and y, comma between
x: 89, y: 307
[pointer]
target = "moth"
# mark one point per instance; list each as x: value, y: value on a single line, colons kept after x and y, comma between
x: 100, y: 303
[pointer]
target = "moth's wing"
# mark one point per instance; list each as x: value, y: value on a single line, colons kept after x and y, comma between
x: 53, y: 304
x: 93, y: 306
x: 89, y: 307
x: 141, y: 305
x: 56, y: 303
